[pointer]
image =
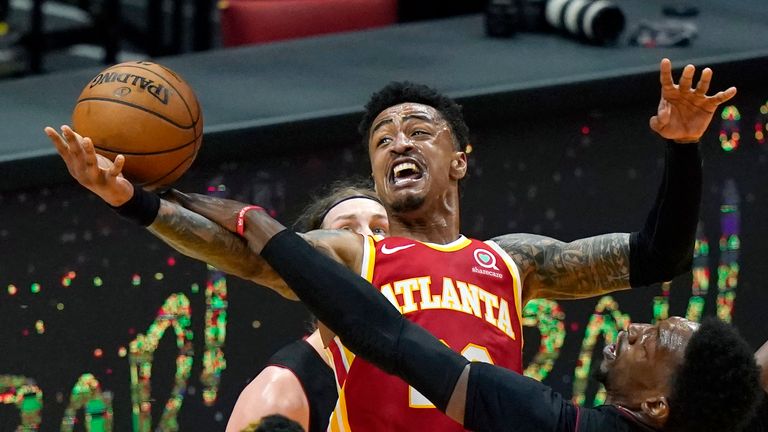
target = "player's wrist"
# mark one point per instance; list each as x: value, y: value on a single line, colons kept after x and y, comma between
x: 117, y: 198
x: 142, y: 207
x: 259, y: 229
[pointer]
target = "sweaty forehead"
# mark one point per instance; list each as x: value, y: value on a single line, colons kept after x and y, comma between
x: 675, y: 332
x: 407, y: 109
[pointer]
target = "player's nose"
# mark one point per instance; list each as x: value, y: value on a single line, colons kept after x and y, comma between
x: 402, y: 144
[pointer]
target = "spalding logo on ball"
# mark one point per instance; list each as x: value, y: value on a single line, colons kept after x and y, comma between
x: 145, y: 112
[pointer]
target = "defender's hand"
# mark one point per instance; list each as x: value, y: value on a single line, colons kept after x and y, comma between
x: 92, y: 170
x: 220, y: 210
x: 684, y: 112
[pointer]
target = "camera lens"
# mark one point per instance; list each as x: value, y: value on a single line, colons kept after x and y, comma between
x: 597, y: 21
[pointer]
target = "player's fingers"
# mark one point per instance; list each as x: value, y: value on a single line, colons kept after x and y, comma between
x: 61, y: 145
x: 686, y: 79
x: 654, y: 123
x: 117, y: 166
x: 89, y: 152
x: 75, y: 147
x: 703, y: 86
x: 723, y: 96
x: 665, y: 74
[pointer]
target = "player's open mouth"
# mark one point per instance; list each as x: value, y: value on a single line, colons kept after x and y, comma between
x: 609, y: 352
x: 405, y: 171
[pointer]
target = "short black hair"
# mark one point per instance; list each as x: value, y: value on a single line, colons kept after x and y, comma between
x: 312, y: 216
x: 716, y: 387
x: 396, y: 93
x: 274, y: 423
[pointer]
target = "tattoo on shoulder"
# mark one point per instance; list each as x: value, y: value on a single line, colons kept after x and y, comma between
x: 582, y: 268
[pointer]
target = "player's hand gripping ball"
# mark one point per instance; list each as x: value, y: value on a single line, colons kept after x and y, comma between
x: 145, y: 112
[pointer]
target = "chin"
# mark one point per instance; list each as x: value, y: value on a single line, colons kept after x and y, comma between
x: 408, y: 203
x: 601, y: 374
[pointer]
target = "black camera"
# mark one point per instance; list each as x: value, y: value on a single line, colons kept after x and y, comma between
x: 596, y: 21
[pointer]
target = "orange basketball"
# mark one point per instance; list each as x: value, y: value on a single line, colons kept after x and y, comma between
x: 145, y: 112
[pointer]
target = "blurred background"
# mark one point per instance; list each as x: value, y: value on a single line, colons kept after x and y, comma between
x: 104, y: 327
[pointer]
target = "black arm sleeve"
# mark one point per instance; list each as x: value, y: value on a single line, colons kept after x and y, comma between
x: 364, y: 320
x: 663, y: 249
x: 500, y: 400
x: 142, y: 208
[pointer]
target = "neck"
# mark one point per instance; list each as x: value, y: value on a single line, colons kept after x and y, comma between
x: 435, y: 223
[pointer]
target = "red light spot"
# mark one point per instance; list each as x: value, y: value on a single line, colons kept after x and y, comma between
x: 25, y: 332
x: 574, y: 326
x: 131, y: 331
x: 171, y: 261
x: 108, y: 371
x: 585, y: 130
x: 98, y: 353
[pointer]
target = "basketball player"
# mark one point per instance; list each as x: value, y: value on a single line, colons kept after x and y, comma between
x: 466, y: 292
x: 672, y: 376
x: 298, y: 382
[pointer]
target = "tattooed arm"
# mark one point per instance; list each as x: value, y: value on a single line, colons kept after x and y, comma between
x: 202, y: 226
x: 583, y: 268
x: 197, y: 237
x: 189, y: 232
x: 663, y: 248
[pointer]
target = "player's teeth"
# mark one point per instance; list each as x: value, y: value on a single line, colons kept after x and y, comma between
x: 404, y: 166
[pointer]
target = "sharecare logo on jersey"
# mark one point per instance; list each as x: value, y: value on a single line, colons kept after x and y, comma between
x: 487, y: 261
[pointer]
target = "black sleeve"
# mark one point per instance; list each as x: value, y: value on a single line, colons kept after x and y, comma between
x: 316, y: 379
x: 364, y: 320
x: 663, y: 249
x: 501, y: 400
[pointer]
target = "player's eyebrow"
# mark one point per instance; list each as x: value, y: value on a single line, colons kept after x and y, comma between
x: 380, y: 124
x: 422, y: 117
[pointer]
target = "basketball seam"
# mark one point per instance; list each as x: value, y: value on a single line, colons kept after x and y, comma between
x: 186, y: 105
x: 187, y: 144
x: 103, y: 99
x: 192, y: 156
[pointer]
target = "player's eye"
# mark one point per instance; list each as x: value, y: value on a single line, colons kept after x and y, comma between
x: 383, y: 140
x: 379, y: 231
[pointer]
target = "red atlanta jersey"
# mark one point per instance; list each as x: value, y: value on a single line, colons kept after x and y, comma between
x: 466, y: 293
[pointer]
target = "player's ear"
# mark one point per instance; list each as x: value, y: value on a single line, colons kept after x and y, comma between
x: 656, y: 408
x: 458, y: 165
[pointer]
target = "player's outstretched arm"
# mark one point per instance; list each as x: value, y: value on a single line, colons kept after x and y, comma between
x: 559, y: 270
x: 343, y: 246
x: 663, y: 248
x: 188, y: 232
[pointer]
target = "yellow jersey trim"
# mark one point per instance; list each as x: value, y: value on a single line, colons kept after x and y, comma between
x: 369, y: 258
x: 458, y: 244
x: 517, y: 288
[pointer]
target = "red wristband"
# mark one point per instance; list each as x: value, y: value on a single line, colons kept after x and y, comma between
x: 241, y: 217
